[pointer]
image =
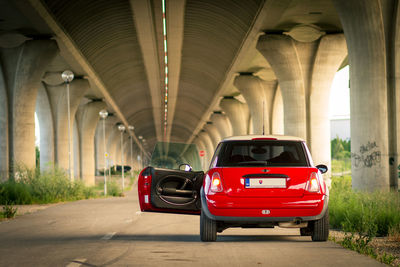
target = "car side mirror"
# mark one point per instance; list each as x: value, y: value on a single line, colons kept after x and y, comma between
x: 322, y: 168
x: 185, y: 167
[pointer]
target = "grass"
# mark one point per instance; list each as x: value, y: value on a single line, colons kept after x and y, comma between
x: 114, y: 185
x: 363, y: 216
x: 30, y: 186
x: 341, y: 165
x: 364, y: 213
x: 8, y: 211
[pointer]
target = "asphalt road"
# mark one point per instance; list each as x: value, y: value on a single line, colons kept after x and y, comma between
x: 112, y: 232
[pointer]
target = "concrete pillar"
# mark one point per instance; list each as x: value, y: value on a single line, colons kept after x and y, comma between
x: 58, y: 99
x: 23, y: 68
x: 130, y: 152
x: 99, y: 145
x: 98, y: 148
x: 222, y: 123
x: 395, y: 95
x: 118, y: 160
x: 88, y: 118
x: 76, y: 151
x: 127, y: 149
x: 112, y: 143
x: 200, y: 146
x: 135, y: 160
x: 253, y: 92
x: 46, y: 124
x: 281, y: 53
x: 270, y: 88
x: 213, y: 133
x: 209, y: 148
x: 305, y: 71
x: 238, y: 114
x: 330, y: 55
x: 371, y: 28
x: 4, y: 161
x: 277, y: 113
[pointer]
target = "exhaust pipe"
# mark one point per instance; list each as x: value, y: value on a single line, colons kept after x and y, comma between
x: 294, y: 224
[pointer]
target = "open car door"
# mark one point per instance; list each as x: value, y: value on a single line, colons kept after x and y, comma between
x: 173, y: 191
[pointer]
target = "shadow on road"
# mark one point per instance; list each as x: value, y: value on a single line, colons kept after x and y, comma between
x: 221, y: 238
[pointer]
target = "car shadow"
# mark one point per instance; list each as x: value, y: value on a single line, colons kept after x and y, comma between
x: 221, y: 238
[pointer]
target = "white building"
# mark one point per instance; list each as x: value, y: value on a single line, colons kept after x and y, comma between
x: 340, y: 127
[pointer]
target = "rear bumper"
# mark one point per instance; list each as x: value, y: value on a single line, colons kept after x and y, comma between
x: 291, y: 213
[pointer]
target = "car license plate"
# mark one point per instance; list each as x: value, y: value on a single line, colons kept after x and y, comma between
x: 265, y: 183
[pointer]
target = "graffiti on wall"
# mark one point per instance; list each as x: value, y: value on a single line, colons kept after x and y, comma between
x: 368, y: 156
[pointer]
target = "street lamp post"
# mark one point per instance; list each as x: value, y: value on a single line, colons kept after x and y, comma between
x: 121, y: 127
x: 103, y: 114
x: 131, y: 128
x: 67, y: 77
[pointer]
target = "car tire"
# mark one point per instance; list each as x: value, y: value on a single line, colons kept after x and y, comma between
x: 320, y: 231
x: 208, y: 229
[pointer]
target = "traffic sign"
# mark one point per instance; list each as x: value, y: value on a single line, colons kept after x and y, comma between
x: 202, y: 153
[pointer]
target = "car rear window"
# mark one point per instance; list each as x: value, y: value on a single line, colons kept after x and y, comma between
x: 261, y: 153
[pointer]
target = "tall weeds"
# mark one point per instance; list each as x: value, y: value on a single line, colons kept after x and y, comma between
x: 30, y: 186
x: 366, y: 214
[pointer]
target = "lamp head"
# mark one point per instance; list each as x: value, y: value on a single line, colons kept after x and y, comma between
x: 121, y: 127
x: 67, y: 76
x: 103, y: 113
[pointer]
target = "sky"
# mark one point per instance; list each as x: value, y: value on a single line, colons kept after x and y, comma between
x: 340, y: 95
x: 339, y: 100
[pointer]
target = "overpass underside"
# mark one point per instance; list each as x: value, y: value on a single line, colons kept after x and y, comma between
x: 195, y: 72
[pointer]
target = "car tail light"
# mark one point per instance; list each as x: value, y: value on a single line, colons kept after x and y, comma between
x: 313, y: 185
x: 216, y: 183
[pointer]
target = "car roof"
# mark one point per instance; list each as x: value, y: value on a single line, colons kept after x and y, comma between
x: 254, y: 136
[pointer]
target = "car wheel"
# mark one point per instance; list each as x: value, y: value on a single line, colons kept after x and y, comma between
x: 320, y: 230
x: 208, y: 229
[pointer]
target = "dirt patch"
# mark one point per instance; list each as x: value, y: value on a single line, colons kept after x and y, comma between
x: 380, y: 244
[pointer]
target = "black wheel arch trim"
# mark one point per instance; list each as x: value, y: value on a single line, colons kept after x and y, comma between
x: 205, y: 209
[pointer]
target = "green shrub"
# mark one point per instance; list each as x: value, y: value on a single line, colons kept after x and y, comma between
x: 114, y: 189
x: 11, y: 191
x: 9, y: 211
x: 340, y: 148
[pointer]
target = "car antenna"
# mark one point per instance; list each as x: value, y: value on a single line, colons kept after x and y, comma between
x: 263, y: 120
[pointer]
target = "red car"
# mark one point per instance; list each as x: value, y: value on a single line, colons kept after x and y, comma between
x: 252, y: 182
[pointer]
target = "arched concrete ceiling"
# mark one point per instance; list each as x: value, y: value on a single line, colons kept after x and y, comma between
x: 213, y: 34
x: 212, y: 41
x: 104, y: 32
